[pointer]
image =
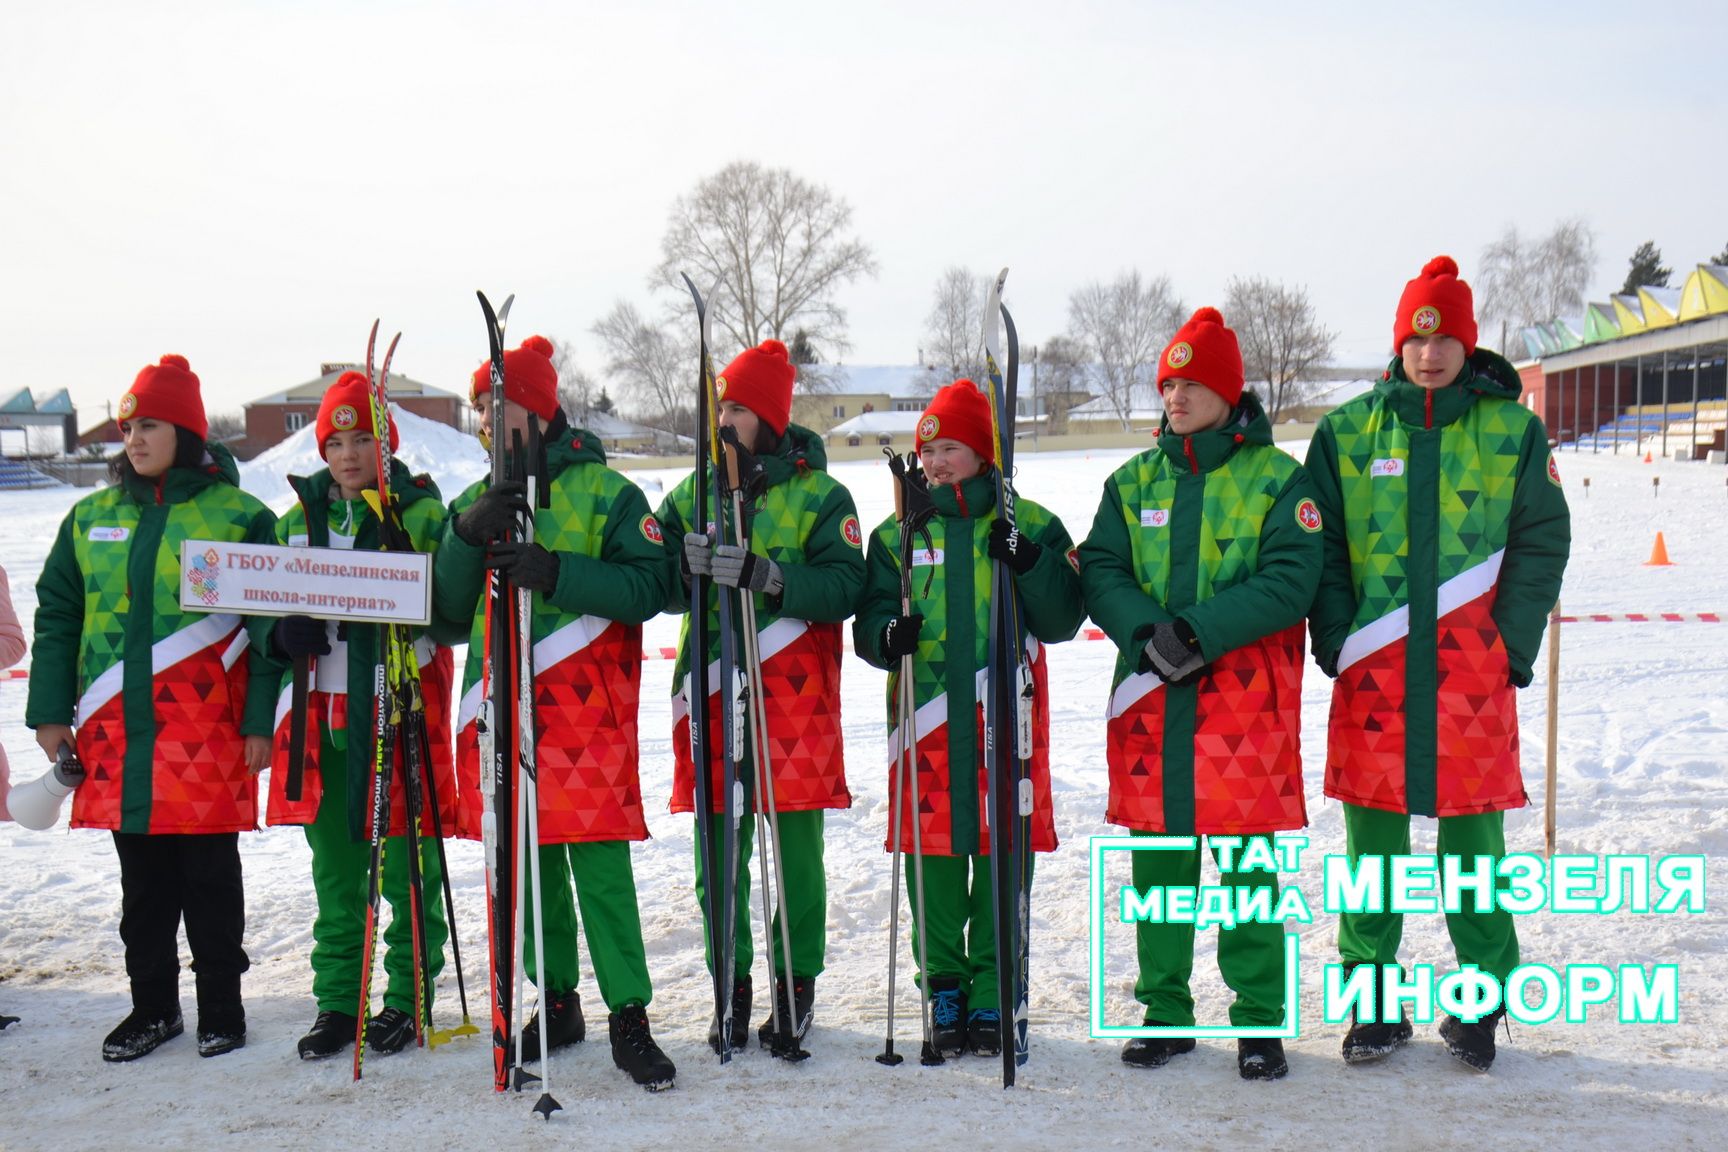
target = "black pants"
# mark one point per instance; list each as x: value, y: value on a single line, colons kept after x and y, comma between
x: 165, y: 878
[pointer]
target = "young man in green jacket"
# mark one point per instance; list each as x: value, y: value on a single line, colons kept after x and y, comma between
x: 596, y: 572
x: 1446, y: 537
x: 804, y: 566
x: 1201, y: 565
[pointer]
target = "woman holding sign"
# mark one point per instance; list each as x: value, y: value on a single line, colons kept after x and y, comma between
x: 331, y: 804
x: 154, y: 701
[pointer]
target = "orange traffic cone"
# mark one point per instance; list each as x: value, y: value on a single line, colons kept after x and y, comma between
x: 1659, y: 555
x: 1647, y: 458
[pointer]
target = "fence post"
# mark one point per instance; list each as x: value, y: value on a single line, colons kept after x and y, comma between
x: 1548, y: 798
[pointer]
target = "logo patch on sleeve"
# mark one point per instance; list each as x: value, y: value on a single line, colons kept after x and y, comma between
x: 651, y: 529
x: 1308, y: 515
x: 1074, y: 559
x: 1553, y: 470
x: 849, y: 529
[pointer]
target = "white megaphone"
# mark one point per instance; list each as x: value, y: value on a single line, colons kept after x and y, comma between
x: 36, y: 805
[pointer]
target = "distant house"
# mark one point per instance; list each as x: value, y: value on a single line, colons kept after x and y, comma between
x: 880, y: 389
x: 104, y: 438
x: 273, y: 419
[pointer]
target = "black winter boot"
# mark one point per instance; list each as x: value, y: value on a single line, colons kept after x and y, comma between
x: 947, y: 1015
x: 1155, y: 1051
x: 1473, y: 1044
x: 331, y: 1033
x: 634, y: 1050
x: 141, y: 1033
x: 803, y: 1013
x: 984, y: 1032
x: 1369, y: 1039
x: 567, y: 1027
x: 1261, y: 1059
x: 390, y: 1031
x: 740, y: 1037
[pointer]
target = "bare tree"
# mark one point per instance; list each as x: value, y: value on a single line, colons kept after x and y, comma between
x: 226, y: 426
x: 655, y: 369
x: 954, y: 326
x: 1282, y: 340
x: 1059, y: 375
x: 1123, y: 326
x: 1525, y: 281
x: 577, y: 391
x: 779, y: 246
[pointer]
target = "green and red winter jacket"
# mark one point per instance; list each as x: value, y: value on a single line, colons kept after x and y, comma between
x: 322, y: 519
x: 806, y: 522
x: 1446, y: 538
x: 159, y: 696
x: 1218, y: 529
x: 951, y: 588
x: 587, y: 640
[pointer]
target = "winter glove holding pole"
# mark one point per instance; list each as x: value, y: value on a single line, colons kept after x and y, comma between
x: 698, y: 558
x: 526, y: 565
x: 1174, y: 652
x: 296, y: 636
x: 900, y: 636
x: 1009, y: 546
x: 737, y: 568
x: 495, y: 512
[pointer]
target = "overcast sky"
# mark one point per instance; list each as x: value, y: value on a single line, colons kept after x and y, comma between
x: 251, y: 183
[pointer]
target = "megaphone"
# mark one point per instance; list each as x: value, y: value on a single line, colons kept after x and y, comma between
x: 36, y: 805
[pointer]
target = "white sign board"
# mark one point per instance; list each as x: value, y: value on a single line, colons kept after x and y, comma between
x: 330, y: 583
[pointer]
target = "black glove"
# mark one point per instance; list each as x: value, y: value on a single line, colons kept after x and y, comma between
x: 900, y: 636
x: 526, y: 565
x: 296, y: 636
x: 494, y: 513
x: 1174, y: 651
x: 736, y: 568
x: 1008, y: 545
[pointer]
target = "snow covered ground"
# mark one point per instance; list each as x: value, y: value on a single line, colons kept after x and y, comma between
x: 1643, y: 769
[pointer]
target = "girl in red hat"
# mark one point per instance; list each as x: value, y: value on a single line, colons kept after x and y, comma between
x: 805, y: 566
x: 331, y: 512
x: 154, y: 701
x: 947, y: 634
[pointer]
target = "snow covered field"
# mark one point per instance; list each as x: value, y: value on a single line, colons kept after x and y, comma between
x: 1643, y: 769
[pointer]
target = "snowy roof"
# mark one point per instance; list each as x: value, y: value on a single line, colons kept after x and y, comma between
x: 58, y: 404
x: 313, y: 390
x: 904, y: 381
x: 877, y: 424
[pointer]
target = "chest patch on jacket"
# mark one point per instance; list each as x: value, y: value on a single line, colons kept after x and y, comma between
x: 1154, y: 517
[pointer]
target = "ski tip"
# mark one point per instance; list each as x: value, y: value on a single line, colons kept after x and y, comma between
x: 545, y: 1106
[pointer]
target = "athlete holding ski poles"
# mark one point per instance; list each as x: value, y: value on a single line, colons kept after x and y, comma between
x: 945, y: 633
x: 597, y: 571
x: 330, y: 512
x: 804, y: 565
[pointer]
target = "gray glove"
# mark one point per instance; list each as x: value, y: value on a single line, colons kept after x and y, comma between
x: 698, y: 555
x: 1174, y: 651
x: 736, y: 568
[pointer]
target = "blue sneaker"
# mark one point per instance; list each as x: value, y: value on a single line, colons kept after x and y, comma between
x: 948, y: 1015
x: 984, y: 1032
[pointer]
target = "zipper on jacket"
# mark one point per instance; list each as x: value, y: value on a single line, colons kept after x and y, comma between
x: 960, y: 497
x: 1428, y: 408
x: 1188, y: 450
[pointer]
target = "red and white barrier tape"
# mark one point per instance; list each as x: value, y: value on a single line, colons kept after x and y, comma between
x: 1098, y: 633
x: 1643, y: 618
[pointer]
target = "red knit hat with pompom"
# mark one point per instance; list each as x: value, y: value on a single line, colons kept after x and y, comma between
x: 1436, y: 303
x: 529, y: 378
x: 167, y: 390
x: 959, y: 412
x: 761, y: 380
x: 1205, y: 351
x: 347, y: 405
